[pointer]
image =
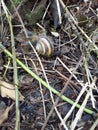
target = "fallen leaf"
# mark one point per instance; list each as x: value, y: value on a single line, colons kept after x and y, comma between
x: 8, y: 90
x: 4, y: 113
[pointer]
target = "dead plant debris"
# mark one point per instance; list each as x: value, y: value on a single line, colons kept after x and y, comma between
x: 58, y: 41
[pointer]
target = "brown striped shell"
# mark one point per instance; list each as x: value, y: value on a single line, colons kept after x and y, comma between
x: 45, y: 47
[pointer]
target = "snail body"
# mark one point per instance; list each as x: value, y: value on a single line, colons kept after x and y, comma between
x: 45, y: 47
x: 42, y: 43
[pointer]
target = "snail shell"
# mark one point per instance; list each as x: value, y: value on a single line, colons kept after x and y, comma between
x: 45, y: 47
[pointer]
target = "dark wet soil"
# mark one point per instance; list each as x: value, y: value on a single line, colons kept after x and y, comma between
x: 67, y: 47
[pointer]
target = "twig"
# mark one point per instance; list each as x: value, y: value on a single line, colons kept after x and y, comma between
x: 60, y: 94
x: 17, y: 127
x: 80, y: 111
x: 47, y: 85
x: 44, y: 83
x: 59, y: 10
x: 37, y: 57
x: 71, y: 17
x: 44, y: 108
x: 94, y: 125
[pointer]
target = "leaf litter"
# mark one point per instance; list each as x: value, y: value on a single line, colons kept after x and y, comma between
x: 8, y: 90
x: 69, y: 46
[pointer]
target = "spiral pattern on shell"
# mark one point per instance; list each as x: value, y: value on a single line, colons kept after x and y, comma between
x: 45, y: 47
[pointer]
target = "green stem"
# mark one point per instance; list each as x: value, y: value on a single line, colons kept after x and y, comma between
x: 44, y: 83
x: 15, y: 76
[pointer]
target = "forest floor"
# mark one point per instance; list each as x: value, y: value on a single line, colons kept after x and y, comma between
x: 58, y: 45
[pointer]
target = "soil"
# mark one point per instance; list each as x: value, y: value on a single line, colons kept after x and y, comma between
x: 69, y: 46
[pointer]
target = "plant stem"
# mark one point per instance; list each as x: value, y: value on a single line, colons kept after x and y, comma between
x: 43, y: 82
x: 15, y: 76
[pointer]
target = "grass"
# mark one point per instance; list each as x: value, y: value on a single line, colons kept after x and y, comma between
x: 16, y: 2
x: 87, y: 86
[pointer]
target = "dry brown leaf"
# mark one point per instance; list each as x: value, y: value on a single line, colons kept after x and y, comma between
x: 8, y: 90
x: 4, y: 114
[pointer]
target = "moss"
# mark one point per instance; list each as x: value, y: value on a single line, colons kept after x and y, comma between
x: 16, y: 2
x: 36, y: 15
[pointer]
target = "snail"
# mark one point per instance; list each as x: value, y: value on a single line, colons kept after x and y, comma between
x: 42, y: 43
x: 44, y: 47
